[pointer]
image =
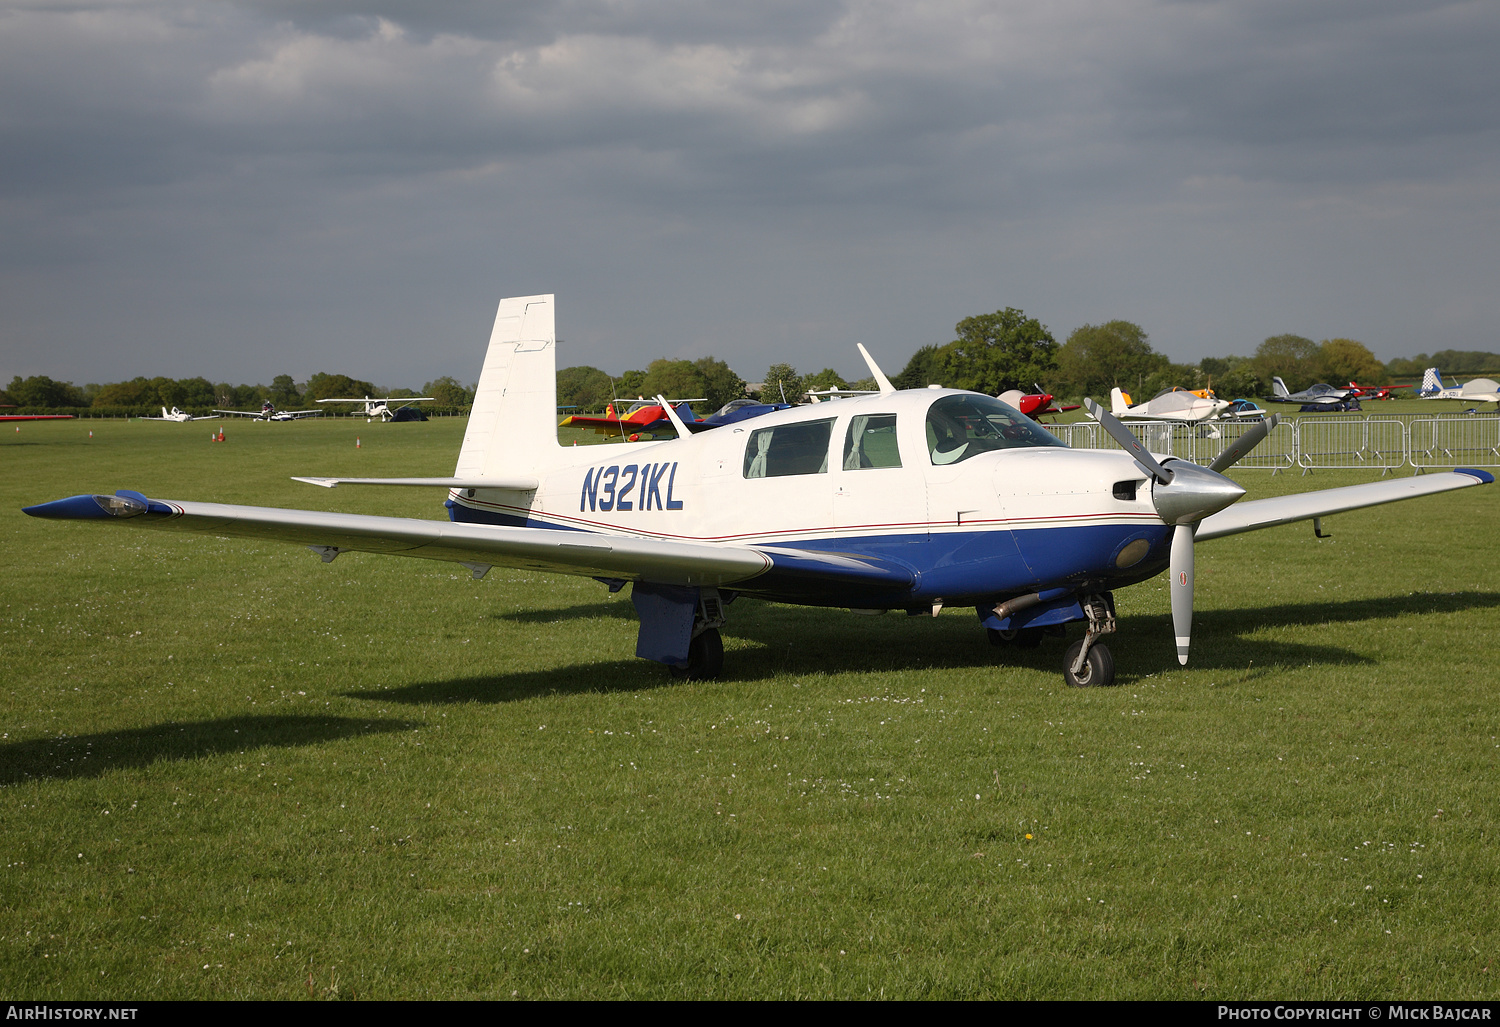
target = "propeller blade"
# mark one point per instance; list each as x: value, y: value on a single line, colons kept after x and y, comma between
x: 1127, y: 441
x: 1182, y: 588
x: 1244, y: 444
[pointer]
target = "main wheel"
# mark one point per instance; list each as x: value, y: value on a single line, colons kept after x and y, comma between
x: 1098, y: 669
x: 705, y: 658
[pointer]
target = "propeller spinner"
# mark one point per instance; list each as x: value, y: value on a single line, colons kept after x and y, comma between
x: 1183, y: 494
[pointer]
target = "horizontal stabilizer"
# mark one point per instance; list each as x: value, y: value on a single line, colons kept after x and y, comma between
x: 516, y: 484
x: 1253, y: 514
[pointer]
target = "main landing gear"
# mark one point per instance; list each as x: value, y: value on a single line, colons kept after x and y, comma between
x: 706, y: 651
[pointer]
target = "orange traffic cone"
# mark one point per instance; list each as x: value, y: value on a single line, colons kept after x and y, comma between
x: 356, y: 442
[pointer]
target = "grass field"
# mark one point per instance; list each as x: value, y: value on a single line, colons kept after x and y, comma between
x: 228, y: 770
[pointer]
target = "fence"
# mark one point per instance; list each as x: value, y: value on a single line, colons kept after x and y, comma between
x: 1326, y: 442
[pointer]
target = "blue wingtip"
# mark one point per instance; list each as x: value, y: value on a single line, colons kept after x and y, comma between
x: 1484, y: 476
x: 74, y: 508
x: 123, y: 503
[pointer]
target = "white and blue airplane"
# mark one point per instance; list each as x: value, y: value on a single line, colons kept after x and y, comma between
x: 910, y: 500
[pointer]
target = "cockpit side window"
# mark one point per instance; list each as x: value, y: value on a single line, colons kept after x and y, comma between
x: 959, y: 427
x: 871, y: 442
x: 800, y: 448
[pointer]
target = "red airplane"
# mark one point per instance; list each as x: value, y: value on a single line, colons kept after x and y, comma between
x: 1033, y: 404
x: 642, y: 412
x: 1375, y: 391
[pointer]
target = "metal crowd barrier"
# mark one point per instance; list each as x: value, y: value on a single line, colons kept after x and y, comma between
x: 1375, y: 443
x: 1472, y: 441
x: 1327, y: 441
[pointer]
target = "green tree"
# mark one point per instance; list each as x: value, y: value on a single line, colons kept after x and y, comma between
x: 782, y: 380
x: 996, y: 352
x: 449, y: 392
x: 335, y: 386
x: 587, y: 388
x: 720, y: 383
x: 1097, y: 358
x: 138, y: 392
x: 631, y: 385
x: 41, y: 391
x: 1292, y: 358
x: 283, y: 392
x: 827, y: 378
x: 921, y: 370
x: 1341, y: 361
x: 674, y: 379
x: 1240, y: 380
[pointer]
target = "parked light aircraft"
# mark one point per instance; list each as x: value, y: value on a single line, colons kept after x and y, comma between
x: 1321, y: 394
x: 907, y: 500
x: 268, y: 412
x: 181, y: 416
x: 642, y: 416
x: 1475, y: 390
x: 381, y: 407
x: 1034, y: 404
x: 1168, y: 405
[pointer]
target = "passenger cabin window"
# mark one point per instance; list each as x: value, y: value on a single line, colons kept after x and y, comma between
x: 871, y: 442
x: 959, y: 427
x: 800, y: 448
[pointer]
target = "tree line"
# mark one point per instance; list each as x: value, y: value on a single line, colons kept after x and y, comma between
x: 198, y: 395
x: 992, y: 353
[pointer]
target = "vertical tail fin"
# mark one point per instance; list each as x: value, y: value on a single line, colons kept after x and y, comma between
x: 513, y: 427
x: 1279, y: 389
x: 1117, y: 401
x: 1431, y: 382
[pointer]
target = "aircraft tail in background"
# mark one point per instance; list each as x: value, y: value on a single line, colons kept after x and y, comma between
x: 1118, y: 401
x: 1432, y: 382
x: 513, y: 427
x: 1279, y: 389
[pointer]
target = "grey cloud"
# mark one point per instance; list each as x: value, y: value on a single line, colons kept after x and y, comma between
x: 266, y: 174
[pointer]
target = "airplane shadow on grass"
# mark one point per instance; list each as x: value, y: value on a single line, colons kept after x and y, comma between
x: 799, y: 641
x: 76, y: 756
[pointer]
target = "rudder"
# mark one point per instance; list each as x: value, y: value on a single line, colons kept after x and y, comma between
x: 513, y: 426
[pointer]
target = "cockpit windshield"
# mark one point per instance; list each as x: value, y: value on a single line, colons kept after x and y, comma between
x: 962, y: 426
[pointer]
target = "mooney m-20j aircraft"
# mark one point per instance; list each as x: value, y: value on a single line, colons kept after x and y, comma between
x: 907, y: 500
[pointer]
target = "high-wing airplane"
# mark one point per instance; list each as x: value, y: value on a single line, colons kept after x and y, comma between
x: 910, y: 500
x: 1034, y: 404
x: 1319, y: 395
x: 380, y: 407
x: 181, y: 416
x: 1475, y: 390
x: 268, y: 412
x: 1168, y: 405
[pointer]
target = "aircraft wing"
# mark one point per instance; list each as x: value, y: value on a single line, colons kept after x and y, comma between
x: 514, y: 484
x: 240, y: 413
x: 1254, y: 514
x: 602, y: 425
x: 475, y: 545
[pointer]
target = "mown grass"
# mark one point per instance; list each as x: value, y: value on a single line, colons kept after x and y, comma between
x: 229, y: 770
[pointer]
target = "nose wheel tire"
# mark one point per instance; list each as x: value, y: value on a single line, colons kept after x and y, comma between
x: 705, y: 658
x: 1098, y: 668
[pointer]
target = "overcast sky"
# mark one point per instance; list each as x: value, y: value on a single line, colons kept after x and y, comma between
x: 244, y: 189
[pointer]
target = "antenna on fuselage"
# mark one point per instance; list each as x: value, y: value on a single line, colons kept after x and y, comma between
x: 886, y: 388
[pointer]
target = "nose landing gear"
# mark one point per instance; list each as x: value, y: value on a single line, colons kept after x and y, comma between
x: 1088, y: 663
